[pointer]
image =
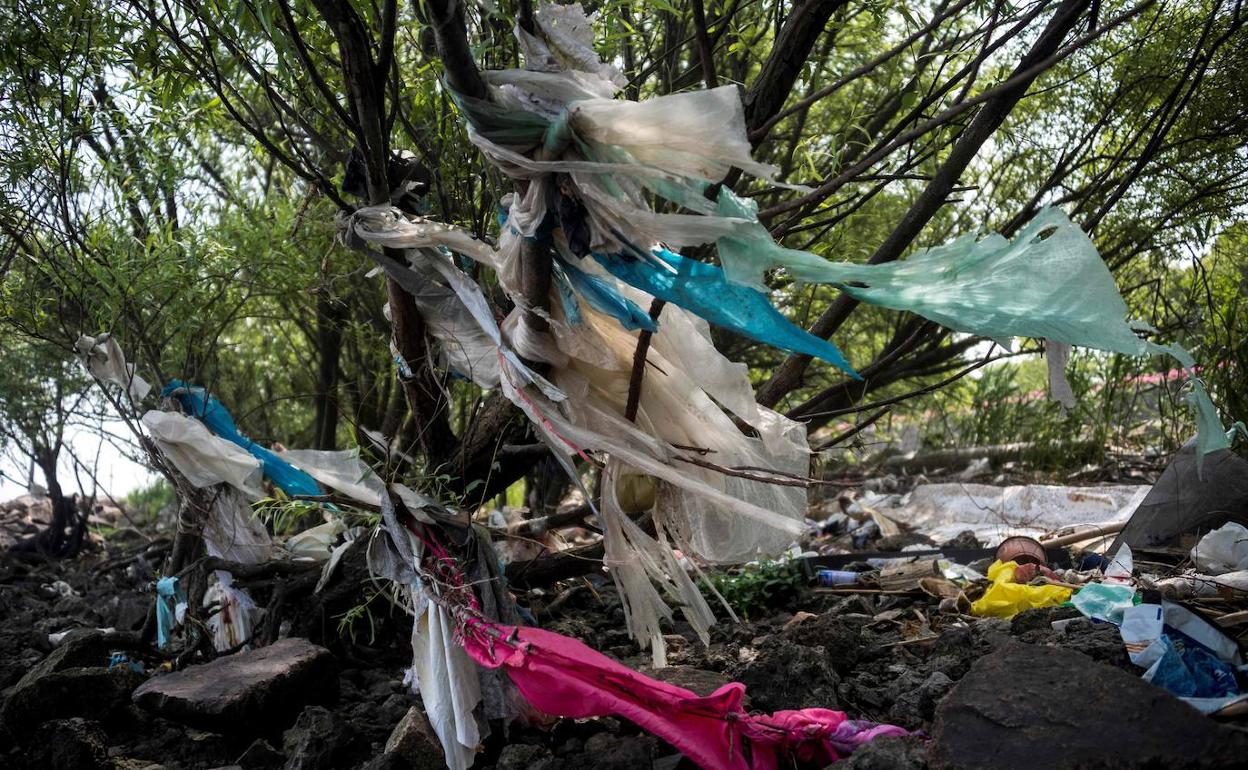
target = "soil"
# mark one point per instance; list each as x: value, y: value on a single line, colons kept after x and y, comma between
x: 886, y: 658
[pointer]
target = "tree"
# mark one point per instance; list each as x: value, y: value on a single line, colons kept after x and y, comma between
x: 186, y: 161
x: 41, y: 392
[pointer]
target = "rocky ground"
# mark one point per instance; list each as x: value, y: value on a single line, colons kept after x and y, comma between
x: 977, y: 693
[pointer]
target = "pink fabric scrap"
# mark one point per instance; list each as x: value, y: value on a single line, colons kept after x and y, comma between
x: 563, y: 677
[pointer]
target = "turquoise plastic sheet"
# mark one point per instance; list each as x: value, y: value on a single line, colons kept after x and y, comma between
x: 208, y: 410
x: 704, y: 290
x: 1049, y: 282
x: 603, y: 297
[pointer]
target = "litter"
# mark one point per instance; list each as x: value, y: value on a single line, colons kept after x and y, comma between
x: 170, y: 609
x: 1102, y: 601
x: 1223, y: 550
x: 1005, y: 598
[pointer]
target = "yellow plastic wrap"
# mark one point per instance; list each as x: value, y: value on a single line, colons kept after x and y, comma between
x: 1005, y: 598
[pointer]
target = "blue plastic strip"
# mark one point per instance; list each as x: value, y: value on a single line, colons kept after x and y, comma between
x: 703, y: 289
x: 196, y: 401
x: 603, y: 297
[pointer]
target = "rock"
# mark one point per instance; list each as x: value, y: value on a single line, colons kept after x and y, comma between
x: 315, y: 739
x: 909, y: 753
x: 696, y: 680
x: 522, y: 756
x: 414, y: 741
x: 842, y: 639
x: 916, y: 705
x: 70, y: 744
x: 70, y: 682
x: 1099, y: 641
x: 1048, y: 708
x: 260, y: 755
x: 784, y: 675
x: 247, y: 691
x: 605, y: 751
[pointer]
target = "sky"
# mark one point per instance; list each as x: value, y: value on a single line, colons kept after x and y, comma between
x: 116, y: 473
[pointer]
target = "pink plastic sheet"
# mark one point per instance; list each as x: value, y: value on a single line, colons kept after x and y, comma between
x: 563, y: 677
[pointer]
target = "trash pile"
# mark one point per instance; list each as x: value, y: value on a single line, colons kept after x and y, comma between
x: 643, y: 397
x: 1169, y: 569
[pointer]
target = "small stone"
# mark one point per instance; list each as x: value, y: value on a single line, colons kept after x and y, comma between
x: 247, y: 691
x: 888, y: 753
x: 413, y: 740
x: 314, y: 740
x: 521, y: 756
x: 260, y: 755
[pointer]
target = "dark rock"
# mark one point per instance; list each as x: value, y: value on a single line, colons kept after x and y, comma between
x: 915, y: 705
x: 617, y: 752
x: 908, y: 753
x: 842, y: 639
x: 1099, y: 641
x: 69, y: 682
x: 522, y: 756
x: 697, y: 681
x: 69, y: 744
x: 247, y: 691
x: 1044, y: 707
x: 314, y: 741
x: 784, y: 675
x: 260, y: 755
x: 414, y: 741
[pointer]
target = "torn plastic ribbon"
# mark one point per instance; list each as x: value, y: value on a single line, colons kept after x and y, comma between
x: 702, y: 289
x: 603, y: 297
x: 170, y: 609
x: 204, y: 459
x: 196, y: 401
x: 561, y: 676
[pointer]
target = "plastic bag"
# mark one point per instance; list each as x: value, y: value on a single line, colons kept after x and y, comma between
x: 1103, y: 601
x: 105, y: 360
x: 1223, y: 550
x: 196, y: 401
x: 204, y: 459
x: 1005, y: 598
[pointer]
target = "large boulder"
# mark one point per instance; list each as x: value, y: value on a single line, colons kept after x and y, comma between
x: 1052, y: 709
x: 245, y: 692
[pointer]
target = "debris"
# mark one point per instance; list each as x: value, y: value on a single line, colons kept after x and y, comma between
x: 994, y: 513
x: 1005, y: 598
x: 244, y: 691
x: 1223, y: 550
x: 1021, y: 549
x: 1103, y: 601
